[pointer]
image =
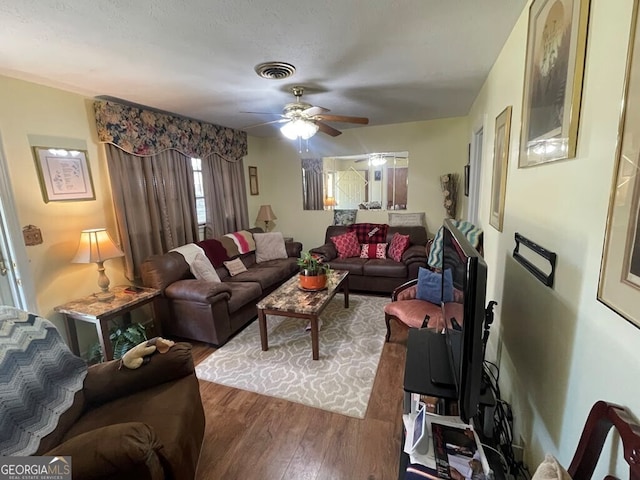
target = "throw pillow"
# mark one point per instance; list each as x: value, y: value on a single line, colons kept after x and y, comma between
x: 235, y: 267
x: 370, y: 232
x: 269, y: 246
x: 430, y: 286
x: 550, y: 469
x: 203, y: 270
x: 347, y: 245
x: 373, y: 250
x: 399, y: 243
x: 344, y: 217
x: 406, y: 219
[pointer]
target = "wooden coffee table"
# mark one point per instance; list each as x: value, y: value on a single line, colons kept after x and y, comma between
x: 290, y: 301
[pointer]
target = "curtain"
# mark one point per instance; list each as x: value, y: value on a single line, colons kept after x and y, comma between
x: 154, y: 203
x: 312, y: 192
x: 225, y: 195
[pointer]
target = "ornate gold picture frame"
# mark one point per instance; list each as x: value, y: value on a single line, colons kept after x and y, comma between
x: 556, y: 45
x: 500, y: 164
x: 619, y: 285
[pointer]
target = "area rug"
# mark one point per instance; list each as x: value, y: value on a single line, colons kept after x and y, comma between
x: 351, y: 342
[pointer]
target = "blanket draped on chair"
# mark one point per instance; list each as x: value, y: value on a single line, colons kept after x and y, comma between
x: 39, y: 378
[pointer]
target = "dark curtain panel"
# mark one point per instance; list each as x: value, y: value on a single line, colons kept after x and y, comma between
x: 154, y: 203
x: 225, y: 195
x: 312, y: 192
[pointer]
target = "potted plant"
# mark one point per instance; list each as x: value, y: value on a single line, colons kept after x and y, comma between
x: 313, y: 273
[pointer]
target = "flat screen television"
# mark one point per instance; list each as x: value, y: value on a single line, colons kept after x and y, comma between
x: 464, y: 316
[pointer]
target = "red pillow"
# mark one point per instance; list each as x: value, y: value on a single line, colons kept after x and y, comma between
x: 399, y: 243
x: 370, y: 232
x: 373, y: 250
x: 347, y: 245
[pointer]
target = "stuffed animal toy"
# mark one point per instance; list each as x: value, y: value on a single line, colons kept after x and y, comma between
x: 141, y: 353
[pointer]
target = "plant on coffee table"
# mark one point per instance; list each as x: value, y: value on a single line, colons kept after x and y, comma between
x: 313, y: 273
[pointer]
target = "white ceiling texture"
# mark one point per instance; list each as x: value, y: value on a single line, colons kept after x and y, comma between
x: 392, y: 61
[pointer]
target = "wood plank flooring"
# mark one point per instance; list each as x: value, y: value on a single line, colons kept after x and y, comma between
x: 250, y: 436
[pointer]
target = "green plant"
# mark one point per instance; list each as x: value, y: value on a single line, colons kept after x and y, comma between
x: 126, y: 337
x: 94, y: 353
x: 311, y: 265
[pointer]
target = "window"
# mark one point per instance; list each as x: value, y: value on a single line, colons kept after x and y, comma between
x: 196, y: 166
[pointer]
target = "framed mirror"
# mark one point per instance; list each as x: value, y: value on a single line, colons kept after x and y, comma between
x: 371, y: 181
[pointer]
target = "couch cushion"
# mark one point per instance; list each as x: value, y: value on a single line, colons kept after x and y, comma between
x: 384, y: 268
x: 370, y: 232
x: 202, y: 269
x: 269, y: 246
x: 235, y: 267
x: 347, y: 245
x: 399, y: 243
x: 373, y: 250
x: 430, y: 286
x: 354, y: 265
x: 412, y: 313
x: 267, y: 274
x: 242, y: 293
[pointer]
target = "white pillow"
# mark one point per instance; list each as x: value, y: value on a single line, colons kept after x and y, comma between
x: 406, y: 219
x: 269, y: 246
x: 203, y: 270
x: 235, y: 267
x: 550, y: 469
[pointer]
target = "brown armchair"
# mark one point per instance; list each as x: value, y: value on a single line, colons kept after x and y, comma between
x: 146, y: 423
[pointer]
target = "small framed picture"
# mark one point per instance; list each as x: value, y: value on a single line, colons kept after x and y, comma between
x: 253, y: 181
x: 64, y: 174
x: 377, y: 175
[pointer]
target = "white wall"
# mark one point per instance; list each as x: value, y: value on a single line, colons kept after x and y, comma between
x: 435, y: 147
x: 561, y: 349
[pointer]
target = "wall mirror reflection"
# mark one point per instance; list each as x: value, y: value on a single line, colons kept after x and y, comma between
x: 371, y: 181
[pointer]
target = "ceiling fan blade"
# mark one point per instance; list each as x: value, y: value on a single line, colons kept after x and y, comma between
x: 343, y: 119
x: 282, y: 120
x: 324, y: 128
x: 313, y: 111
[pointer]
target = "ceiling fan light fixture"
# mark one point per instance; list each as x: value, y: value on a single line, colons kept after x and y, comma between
x: 377, y: 160
x: 299, y: 128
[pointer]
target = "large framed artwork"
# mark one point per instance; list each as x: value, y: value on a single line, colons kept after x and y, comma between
x: 64, y: 174
x: 556, y: 44
x: 619, y: 285
x: 500, y: 164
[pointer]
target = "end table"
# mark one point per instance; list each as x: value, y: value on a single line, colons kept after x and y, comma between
x: 90, y: 309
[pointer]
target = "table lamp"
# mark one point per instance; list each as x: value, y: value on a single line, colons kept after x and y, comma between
x: 266, y: 215
x: 96, y: 246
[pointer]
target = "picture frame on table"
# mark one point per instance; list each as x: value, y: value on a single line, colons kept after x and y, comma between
x: 64, y: 174
x: 619, y: 282
x: 253, y: 181
x: 500, y: 164
x: 554, y: 69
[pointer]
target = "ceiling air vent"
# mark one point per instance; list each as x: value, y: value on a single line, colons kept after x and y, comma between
x: 275, y: 70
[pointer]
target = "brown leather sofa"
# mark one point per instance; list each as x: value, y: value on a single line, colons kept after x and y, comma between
x: 212, y: 312
x: 146, y: 423
x: 378, y: 275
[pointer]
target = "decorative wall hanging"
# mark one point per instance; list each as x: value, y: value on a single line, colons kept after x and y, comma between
x: 500, y: 164
x: 449, y: 185
x: 556, y: 44
x: 64, y: 174
x: 253, y: 180
x: 619, y: 285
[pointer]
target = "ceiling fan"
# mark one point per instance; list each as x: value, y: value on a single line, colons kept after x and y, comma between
x: 303, y: 120
x: 377, y: 159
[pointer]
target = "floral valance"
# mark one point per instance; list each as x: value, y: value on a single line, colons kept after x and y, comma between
x: 145, y: 132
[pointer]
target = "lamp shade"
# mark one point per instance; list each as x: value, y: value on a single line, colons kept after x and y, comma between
x: 265, y: 214
x: 96, y: 246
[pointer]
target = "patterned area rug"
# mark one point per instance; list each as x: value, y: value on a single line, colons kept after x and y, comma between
x: 351, y: 342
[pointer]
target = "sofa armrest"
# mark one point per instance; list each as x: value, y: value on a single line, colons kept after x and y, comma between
x: 198, y: 291
x: 109, y: 380
x: 327, y: 251
x: 293, y: 249
x: 406, y: 291
x: 124, y: 451
x: 415, y: 253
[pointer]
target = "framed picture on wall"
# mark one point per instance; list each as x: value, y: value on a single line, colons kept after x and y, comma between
x: 253, y: 181
x: 500, y: 164
x: 554, y: 67
x: 64, y: 174
x: 619, y: 283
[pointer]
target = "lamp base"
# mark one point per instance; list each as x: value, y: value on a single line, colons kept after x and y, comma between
x: 105, y: 296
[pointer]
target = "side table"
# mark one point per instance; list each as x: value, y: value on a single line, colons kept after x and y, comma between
x: 90, y: 309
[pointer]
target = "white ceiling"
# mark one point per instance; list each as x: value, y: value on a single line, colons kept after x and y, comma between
x: 389, y: 60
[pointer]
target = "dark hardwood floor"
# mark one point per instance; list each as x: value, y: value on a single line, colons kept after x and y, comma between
x: 250, y: 436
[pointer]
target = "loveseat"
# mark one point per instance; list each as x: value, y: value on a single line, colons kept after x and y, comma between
x: 208, y: 311
x: 380, y: 275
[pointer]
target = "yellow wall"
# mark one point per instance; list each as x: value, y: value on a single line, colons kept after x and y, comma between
x: 560, y: 349
x: 37, y: 115
x: 435, y: 148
